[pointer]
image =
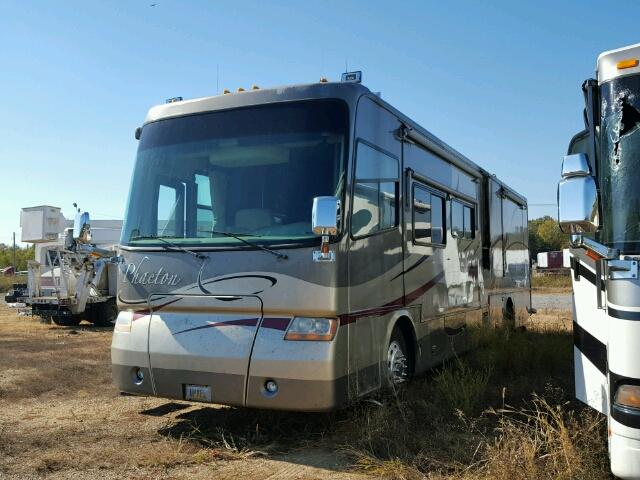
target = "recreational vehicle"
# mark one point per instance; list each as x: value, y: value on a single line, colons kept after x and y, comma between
x: 599, y: 203
x: 301, y: 247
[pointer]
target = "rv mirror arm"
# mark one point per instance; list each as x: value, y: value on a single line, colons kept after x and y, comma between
x: 580, y: 241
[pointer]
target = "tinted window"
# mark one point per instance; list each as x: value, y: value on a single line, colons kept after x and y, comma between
x: 469, y: 222
x: 373, y: 164
x: 374, y: 195
x: 457, y: 219
x: 428, y: 216
x: 462, y: 220
x: 253, y: 171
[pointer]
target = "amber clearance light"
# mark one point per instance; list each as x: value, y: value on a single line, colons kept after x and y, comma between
x: 628, y: 396
x: 627, y: 63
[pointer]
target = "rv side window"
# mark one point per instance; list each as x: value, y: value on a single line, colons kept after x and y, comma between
x: 469, y: 222
x: 428, y: 216
x: 462, y: 220
x: 374, y: 192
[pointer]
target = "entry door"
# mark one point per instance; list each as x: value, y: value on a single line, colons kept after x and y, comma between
x: 425, y: 218
x: 375, y: 262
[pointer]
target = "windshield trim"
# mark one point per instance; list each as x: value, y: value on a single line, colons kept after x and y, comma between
x: 306, y: 243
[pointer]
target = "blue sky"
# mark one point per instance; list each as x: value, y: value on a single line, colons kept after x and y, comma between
x: 499, y: 81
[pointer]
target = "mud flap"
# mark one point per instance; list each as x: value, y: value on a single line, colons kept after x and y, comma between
x: 203, y: 340
x: 590, y: 335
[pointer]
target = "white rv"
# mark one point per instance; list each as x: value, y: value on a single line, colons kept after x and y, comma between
x: 599, y: 203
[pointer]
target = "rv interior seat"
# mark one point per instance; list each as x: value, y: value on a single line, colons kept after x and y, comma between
x: 251, y: 219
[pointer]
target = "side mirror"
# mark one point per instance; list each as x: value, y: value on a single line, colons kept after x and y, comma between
x: 81, y: 226
x: 324, y: 215
x: 577, y: 196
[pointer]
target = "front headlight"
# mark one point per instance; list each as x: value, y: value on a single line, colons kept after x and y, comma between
x: 306, y: 328
x: 628, y: 396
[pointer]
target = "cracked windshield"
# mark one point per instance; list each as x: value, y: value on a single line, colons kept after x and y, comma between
x: 620, y: 165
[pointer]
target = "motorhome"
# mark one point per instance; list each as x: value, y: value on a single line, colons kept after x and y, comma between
x: 599, y: 203
x: 301, y: 247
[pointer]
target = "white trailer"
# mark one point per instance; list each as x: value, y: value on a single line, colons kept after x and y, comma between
x: 70, y: 278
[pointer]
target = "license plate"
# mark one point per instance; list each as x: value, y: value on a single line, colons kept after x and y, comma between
x: 197, y: 393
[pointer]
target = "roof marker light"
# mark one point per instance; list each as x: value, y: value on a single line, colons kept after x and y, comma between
x: 226, y: 91
x: 173, y: 100
x: 627, y: 63
x: 240, y: 89
x: 323, y: 80
x: 255, y: 87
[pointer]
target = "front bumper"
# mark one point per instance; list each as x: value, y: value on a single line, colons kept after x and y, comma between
x: 625, y: 457
x: 310, y: 376
x: 292, y: 394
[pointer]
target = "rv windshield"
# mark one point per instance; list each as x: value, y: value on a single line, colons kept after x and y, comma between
x: 619, y: 165
x: 214, y: 178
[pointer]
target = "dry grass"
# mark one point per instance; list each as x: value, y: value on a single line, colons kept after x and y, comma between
x: 546, y: 441
x: 503, y: 411
x: 6, y: 283
x: 551, y: 283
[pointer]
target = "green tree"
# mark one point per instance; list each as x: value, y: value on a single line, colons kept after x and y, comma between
x: 545, y: 236
x: 23, y: 255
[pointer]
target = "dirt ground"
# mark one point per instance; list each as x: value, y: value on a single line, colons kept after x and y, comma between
x: 61, y: 418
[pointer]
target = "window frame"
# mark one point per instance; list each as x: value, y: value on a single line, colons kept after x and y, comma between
x: 473, y: 218
x: 355, y: 180
x: 443, y: 196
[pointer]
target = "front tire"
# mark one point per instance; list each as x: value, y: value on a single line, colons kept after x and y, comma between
x: 67, y: 321
x: 106, y: 314
x: 397, y: 358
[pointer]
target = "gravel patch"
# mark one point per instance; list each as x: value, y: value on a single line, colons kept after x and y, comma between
x: 556, y: 301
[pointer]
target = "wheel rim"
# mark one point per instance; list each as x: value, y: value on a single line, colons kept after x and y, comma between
x: 397, y: 363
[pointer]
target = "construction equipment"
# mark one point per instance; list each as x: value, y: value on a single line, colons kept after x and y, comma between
x: 72, y: 277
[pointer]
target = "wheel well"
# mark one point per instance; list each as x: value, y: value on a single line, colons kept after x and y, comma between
x: 406, y: 328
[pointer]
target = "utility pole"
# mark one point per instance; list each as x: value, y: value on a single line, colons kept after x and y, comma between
x: 15, y: 269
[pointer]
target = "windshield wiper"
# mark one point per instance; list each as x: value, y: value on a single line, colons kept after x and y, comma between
x: 238, y: 236
x: 174, y: 247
